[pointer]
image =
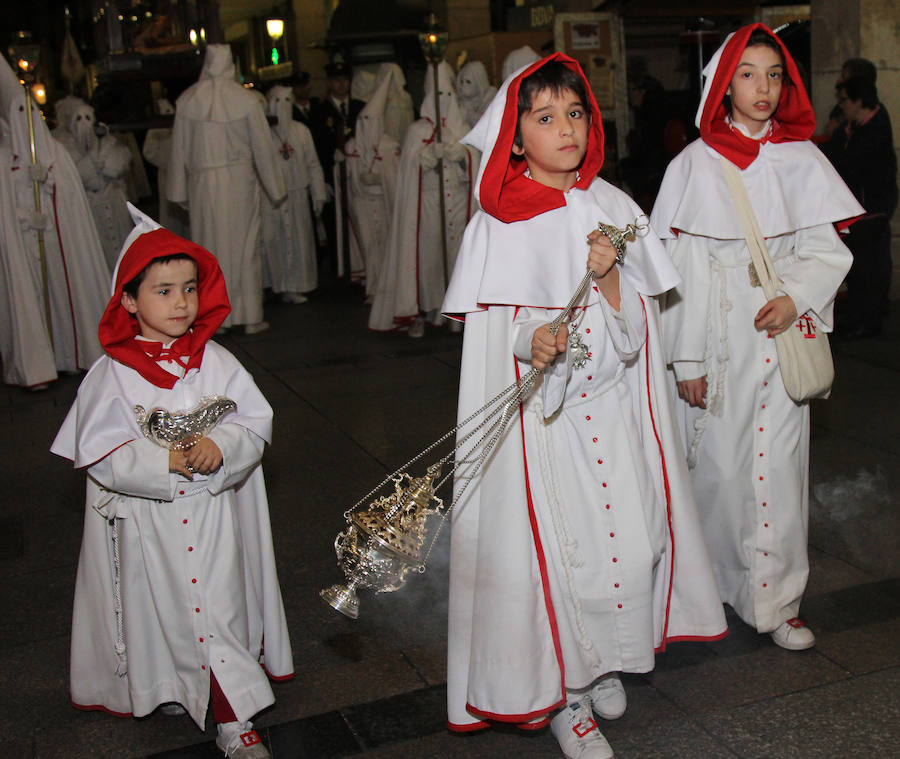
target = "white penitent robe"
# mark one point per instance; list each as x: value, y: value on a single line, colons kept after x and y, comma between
x: 288, y: 232
x: 372, y: 157
x: 398, y: 113
x: 372, y: 189
x: 77, y: 277
x: 749, y: 450
x: 413, y: 279
x: 102, y: 164
x: 158, y: 151
x: 196, y: 570
x: 576, y: 550
x: 221, y: 153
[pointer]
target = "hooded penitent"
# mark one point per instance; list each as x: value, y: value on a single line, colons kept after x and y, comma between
x: 221, y: 155
x: 77, y: 274
x: 398, y: 113
x: 372, y: 160
x: 414, y: 280
x: 537, y: 602
x: 474, y: 91
x: 289, y: 248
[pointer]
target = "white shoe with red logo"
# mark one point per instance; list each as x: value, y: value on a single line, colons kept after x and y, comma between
x: 794, y: 635
x: 577, y: 732
x: 240, y: 741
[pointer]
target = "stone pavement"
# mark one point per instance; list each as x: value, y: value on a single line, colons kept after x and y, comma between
x: 350, y: 406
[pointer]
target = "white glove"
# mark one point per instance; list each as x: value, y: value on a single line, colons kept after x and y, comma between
x: 38, y: 172
x: 339, y: 156
x: 370, y: 178
x: 31, y: 219
x: 454, y: 151
x: 427, y: 157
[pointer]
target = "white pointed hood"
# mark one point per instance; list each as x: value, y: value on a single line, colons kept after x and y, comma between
x: 280, y: 103
x: 370, y: 122
x: 453, y: 126
x: 12, y: 98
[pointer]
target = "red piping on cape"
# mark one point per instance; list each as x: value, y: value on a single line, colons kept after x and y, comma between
x: 62, y: 255
x: 418, y: 225
x: 99, y: 708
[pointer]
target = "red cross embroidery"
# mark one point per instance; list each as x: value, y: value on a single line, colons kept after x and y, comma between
x: 807, y: 327
x: 250, y: 738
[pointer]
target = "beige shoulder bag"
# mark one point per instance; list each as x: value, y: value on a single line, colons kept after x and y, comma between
x: 804, y: 354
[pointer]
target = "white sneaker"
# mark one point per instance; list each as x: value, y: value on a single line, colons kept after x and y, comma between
x: 578, y: 734
x: 172, y: 709
x: 608, y: 697
x: 252, y: 329
x: 240, y: 741
x: 294, y: 298
x: 417, y: 329
x: 794, y: 635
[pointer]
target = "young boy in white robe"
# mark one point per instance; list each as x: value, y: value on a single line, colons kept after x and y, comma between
x: 176, y: 586
x: 747, y: 441
x: 575, y: 551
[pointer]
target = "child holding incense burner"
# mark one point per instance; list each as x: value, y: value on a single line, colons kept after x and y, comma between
x: 176, y: 584
x: 575, y: 550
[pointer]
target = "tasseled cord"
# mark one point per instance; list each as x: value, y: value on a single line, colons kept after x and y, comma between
x: 715, y: 400
x: 122, y: 667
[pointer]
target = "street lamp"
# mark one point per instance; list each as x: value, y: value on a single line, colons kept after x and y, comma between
x: 275, y: 29
x: 433, y: 41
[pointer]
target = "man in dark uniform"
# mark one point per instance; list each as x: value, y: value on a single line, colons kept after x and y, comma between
x: 303, y: 103
x: 332, y: 122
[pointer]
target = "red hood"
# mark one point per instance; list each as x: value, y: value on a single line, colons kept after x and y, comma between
x: 794, y: 118
x: 505, y: 192
x: 118, y: 328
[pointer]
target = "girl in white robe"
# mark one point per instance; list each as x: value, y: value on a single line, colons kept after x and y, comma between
x: 413, y: 283
x: 575, y: 551
x: 288, y: 234
x: 747, y: 441
x: 372, y: 157
x: 176, y: 586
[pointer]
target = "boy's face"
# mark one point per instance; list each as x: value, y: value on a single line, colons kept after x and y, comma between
x: 756, y: 87
x: 554, y: 137
x: 166, y: 302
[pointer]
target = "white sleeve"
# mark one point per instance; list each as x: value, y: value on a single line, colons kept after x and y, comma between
x: 241, y: 452
x: 627, y: 327
x: 813, y: 279
x: 139, y: 468
x: 685, y: 308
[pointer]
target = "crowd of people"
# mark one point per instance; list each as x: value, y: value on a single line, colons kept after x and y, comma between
x: 658, y: 469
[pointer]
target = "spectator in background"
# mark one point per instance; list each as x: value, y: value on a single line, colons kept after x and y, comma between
x: 851, y: 67
x: 645, y: 163
x: 862, y: 150
x: 303, y: 102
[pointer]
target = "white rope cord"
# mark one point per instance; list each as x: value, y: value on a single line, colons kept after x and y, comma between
x: 568, y: 545
x: 122, y: 668
x: 715, y: 400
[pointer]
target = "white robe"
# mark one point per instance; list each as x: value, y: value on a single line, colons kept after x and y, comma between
x: 413, y: 274
x: 372, y: 190
x: 102, y: 171
x: 77, y: 276
x: 749, y: 451
x: 221, y: 152
x: 288, y: 234
x: 576, y: 550
x: 158, y: 151
x: 198, y: 581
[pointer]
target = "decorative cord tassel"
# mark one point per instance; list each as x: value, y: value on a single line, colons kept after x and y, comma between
x: 122, y: 667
